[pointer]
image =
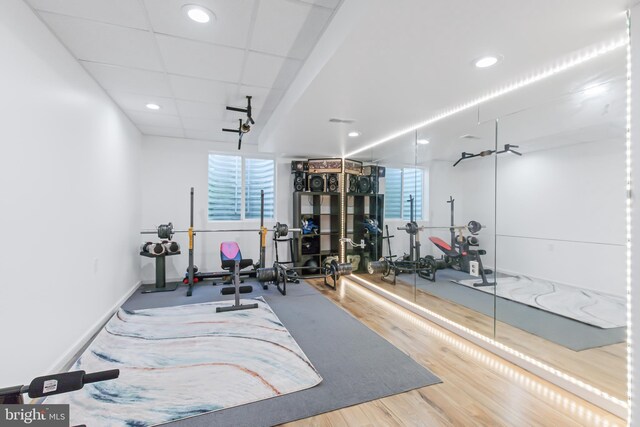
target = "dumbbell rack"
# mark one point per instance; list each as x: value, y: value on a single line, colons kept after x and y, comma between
x: 161, y: 284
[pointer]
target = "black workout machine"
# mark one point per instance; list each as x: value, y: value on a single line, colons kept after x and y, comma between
x: 458, y: 255
x: 280, y: 274
x: 193, y: 276
x: 49, y: 385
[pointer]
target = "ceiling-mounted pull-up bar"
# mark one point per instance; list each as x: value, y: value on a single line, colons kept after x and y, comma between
x: 508, y: 148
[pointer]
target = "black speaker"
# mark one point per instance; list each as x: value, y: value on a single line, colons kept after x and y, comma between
x: 316, y: 182
x: 352, y: 183
x: 333, y: 183
x: 300, y: 181
x: 299, y: 166
x: 364, y: 184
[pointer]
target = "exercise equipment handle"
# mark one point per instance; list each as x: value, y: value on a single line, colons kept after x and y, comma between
x: 95, y: 377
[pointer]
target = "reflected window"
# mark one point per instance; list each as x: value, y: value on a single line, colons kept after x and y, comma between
x: 401, y: 184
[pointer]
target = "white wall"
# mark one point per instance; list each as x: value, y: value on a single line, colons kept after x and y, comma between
x: 561, y: 215
x: 560, y: 212
x: 170, y: 167
x: 69, y: 207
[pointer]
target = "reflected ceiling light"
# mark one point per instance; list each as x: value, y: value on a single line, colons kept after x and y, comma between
x: 354, y: 134
x: 198, y: 13
x: 560, y: 66
x: 594, y: 90
x: 486, y: 61
x: 423, y: 141
x: 152, y: 106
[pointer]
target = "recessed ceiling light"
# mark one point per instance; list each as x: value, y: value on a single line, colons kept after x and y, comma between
x: 198, y: 13
x: 423, y: 141
x: 353, y: 134
x: 151, y: 106
x: 486, y: 61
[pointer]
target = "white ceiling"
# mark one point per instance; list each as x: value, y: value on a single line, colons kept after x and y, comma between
x: 385, y: 64
x: 404, y: 62
x: 148, y: 51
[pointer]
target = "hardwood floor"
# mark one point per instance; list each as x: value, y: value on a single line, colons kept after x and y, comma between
x: 478, y: 389
x: 603, y: 367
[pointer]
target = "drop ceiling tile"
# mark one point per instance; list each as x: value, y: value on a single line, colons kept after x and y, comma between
x: 161, y: 131
x: 198, y: 59
x: 208, y: 124
x: 154, y: 119
x: 331, y: 4
x: 287, y: 28
x: 105, y: 43
x: 122, y: 79
x: 194, y: 89
x: 201, y: 110
x: 136, y: 102
x: 259, y: 96
x: 230, y: 27
x: 126, y: 13
x: 268, y: 71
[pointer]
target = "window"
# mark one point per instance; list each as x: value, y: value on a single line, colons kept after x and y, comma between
x: 235, y: 184
x: 400, y: 184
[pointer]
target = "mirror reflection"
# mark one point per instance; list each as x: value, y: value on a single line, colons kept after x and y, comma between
x: 509, y: 220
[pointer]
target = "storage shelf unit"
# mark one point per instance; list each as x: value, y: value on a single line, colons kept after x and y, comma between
x: 323, y: 209
x: 360, y: 207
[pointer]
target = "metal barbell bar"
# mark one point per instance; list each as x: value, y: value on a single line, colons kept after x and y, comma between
x: 166, y: 231
x: 332, y: 269
x: 413, y: 228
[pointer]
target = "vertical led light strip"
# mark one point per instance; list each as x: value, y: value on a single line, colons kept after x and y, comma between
x: 343, y: 214
x: 628, y: 217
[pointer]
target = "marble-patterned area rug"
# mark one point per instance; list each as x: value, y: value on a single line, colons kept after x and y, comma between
x: 178, y: 362
x: 584, y: 305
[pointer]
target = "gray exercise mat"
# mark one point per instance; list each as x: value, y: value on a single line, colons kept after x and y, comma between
x: 561, y: 330
x: 356, y: 364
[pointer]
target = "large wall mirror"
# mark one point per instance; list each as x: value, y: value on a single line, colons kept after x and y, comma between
x: 518, y: 210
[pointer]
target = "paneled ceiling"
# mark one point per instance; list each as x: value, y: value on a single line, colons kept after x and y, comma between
x: 149, y: 51
x: 384, y: 64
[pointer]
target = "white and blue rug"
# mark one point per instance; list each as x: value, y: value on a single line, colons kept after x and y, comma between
x: 178, y: 362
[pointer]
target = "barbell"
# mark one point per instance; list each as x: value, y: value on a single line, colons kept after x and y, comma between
x: 412, y: 227
x: 334, y: 269
x: 166, y: 231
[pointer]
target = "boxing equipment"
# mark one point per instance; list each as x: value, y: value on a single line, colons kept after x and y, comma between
x: 316, y: 183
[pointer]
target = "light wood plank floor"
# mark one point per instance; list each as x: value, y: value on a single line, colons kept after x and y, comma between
x: 603, y: 367
x: 478, y: 389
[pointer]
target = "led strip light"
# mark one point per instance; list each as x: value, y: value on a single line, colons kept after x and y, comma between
x: 628, y: 218
x: 614, y: 405
x: 494, y: 362
x: 566, y: 65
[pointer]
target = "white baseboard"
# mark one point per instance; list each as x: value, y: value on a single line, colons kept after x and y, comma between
x: 66, y: 360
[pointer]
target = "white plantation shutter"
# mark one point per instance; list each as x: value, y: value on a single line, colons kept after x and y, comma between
x: 412, y: 186
x: 226, y: 195
x: 393, y: 193
x: 258, y: 176
x: 225, y: 184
